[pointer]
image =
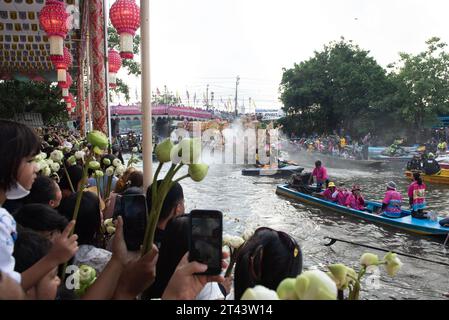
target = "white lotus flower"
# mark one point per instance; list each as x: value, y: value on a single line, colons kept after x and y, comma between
x: 57, y: 156
x: 315, y: 285
x: 259, y: 293
x: 116, y: 163
x: 79, y: 155
x: 55, y: 167
x: 247, y: 234
x: 134, y: 149
x: 369, y: 259
x: 226, y: 239
x: 46, y: 171
x: 110, y: 171
x: 120, y: 170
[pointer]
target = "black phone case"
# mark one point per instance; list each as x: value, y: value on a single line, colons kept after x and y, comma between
x: 212, y: 270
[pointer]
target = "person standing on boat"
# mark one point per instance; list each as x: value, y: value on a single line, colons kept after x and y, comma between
x: 391, y: 205
x: 355, y: 199
x: 320, y: 174
x: 331, y: 193
x: 416, y: 194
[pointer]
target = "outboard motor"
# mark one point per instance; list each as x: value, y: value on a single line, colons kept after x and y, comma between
x: 300, y: 182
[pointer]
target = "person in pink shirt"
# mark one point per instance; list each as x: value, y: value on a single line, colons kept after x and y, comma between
x: 331, y: 193
x: 416, y: 194
x: 342, y: 195
x: 320, y: 174
x: 391, y: 205
x: 355, y: 199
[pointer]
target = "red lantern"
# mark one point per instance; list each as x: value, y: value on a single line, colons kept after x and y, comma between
x: 125, y: 17
x: 115, y: 63
x: 62, y: 63
x: 70, y: 103
x: 65, y: 85
x: 53, y: 19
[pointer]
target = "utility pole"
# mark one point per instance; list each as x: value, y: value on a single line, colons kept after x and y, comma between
x: 236, y: 91
x: 207, y: 97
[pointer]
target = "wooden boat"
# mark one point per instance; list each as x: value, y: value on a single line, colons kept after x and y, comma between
x: 441, y: 178
x: 343, y: 163
x: 274, y: 172
x: 407, y: 223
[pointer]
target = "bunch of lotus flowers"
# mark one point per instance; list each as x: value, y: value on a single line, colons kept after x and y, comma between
x: 234, y: 243
x: 49, y: 165
x: 186, y: 152
x: 318, y: 285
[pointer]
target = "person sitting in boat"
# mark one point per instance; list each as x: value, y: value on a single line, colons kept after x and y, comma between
x: 391, y: 205
x: 355, y: 199
x: 416, y: 194
x: 331, y: 193
x: 442, y: 147
x: 342, y: 194
x: 431, y: 166
x: 414, y: 163
x: 320, y: 174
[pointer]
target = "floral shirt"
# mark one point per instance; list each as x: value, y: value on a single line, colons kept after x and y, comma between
x: 8, y: 236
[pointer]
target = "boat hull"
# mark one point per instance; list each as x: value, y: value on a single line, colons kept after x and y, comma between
x: 337, y: 162
x: 274, y: 173
x: 407, y: 223
x: 442, y: 178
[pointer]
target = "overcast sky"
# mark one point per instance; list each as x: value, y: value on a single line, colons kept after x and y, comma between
x: 200, y: 42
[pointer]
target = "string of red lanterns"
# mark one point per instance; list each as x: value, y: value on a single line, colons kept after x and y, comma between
x: 65, y: 85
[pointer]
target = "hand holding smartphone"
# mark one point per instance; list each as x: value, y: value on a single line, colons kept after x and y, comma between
x: 205, y: 239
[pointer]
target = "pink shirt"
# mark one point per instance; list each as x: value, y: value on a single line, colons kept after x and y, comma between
x: 357, y: 203
x: 329, y: 195
x: 342, y: 196
x: 417, y: 192
x: 320, y: 174
x: 393, y: 200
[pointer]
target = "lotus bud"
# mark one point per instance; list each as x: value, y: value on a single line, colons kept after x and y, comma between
x: 315, y: 285
x: 79, y: 155
x: 259, y: 293
x: 226, y: 240
x: 190, y: 150
x: 98, y: 139
x: 247, y: 234
x: 236, y: 242
x: 71, y: 160
x: 56, y: 156
x: 55, y: 167
x: 98, y: 151
x: 99, y: 174
x: 163, y: 151
x: 110, y: 229
x: 41, y: 164
x: 393, y: 264
x: 116, y: 162
x: 107, y: 161
x: 198, y: 171
x: 94, y: 165
x: 87, y: 276
x: 342, y: 275
x: 286, y: 289
x: 110, y: 170
x: 49, y: 162
x: 134, y: 149
x: 369, y: 259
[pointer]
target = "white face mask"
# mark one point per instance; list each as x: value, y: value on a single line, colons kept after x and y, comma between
x: 17, y: 192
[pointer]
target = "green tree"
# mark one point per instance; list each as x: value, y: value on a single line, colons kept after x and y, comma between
x: 422, y: 82
x: 337, y: 86
x: 40, y: 97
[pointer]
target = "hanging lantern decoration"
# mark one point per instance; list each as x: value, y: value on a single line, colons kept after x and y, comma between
x: 53, y: 19
x: 62, y: 63
x: 125, y: 17
x: 65, y: 85
x: 70, y: 103
x: 115, y: 63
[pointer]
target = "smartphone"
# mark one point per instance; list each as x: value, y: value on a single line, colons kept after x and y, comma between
x: 205, y: 239
x: 133, y: 209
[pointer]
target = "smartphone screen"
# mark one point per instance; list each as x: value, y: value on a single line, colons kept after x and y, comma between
x: 206, y: 229
x: 133, y: 209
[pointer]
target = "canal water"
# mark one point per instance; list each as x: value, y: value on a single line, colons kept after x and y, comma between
x: 251, y: 202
